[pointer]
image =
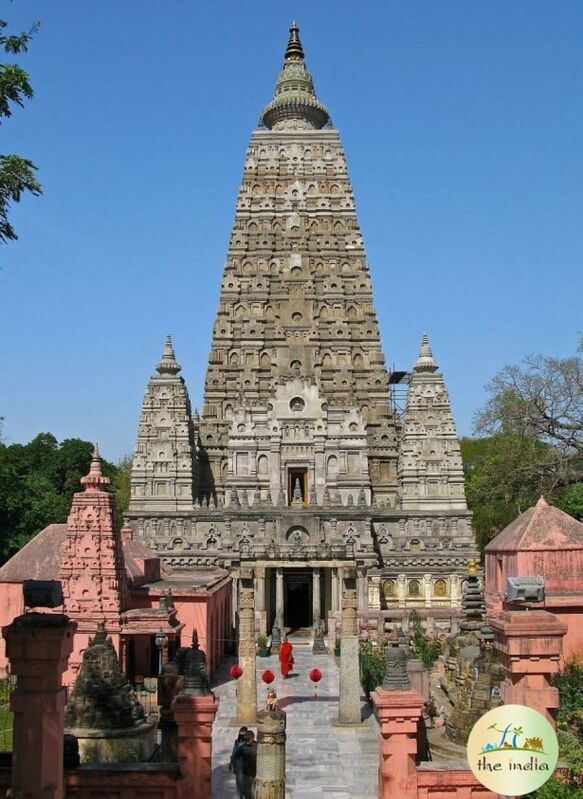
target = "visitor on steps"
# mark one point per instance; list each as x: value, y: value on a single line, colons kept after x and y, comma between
x: 249, y: 755
x: 236, y: 764
x: 286, y: 658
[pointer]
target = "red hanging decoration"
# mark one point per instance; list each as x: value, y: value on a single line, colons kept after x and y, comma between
x: 268, y: 676
x: 315, y: 676
x: 236, y: 671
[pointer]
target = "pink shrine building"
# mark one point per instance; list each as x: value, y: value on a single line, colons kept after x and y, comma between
x: 109, y: 576
x: 542, y: 542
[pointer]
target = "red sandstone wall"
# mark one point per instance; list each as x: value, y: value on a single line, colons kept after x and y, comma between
x: 434, y: 783
x: 11, y: 606
x: 140, y: 781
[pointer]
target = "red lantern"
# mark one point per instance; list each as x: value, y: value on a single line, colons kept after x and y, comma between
x: 315, y: 676
x: 268, y: 676
x: 236, y: 671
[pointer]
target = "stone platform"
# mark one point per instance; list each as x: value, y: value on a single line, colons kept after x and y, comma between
x: 324, y: 761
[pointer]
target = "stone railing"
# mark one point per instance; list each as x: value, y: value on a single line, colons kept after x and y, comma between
x: 302, y: 552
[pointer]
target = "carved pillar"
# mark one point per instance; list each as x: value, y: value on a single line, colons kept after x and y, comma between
x: 455, y: 591
x: 260, y: 589
x: 334, y: 590
x: 349, y: 704
x: 247, y: 683
x: 194, y: 716
x: 398, y: 713
x: 316, y: 609
x: 279, y: 609
x: 38, y: 646
x: 270, y: 778
x: 530, y: 645
x: 374, y: 592
x: 401, y: 594
x: 362, y: 588
x: 427, y: 589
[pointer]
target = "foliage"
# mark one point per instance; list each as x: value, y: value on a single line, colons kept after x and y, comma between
x: 540, y: 400
x: 570, y: 499
x: 569, y: 785
x: 372, y: 661
x: 504, y: 475
x: 426, y: 649
x: 569, y: 681
x: 120, y: 476
x: 532, y: 444
x: 17, y: 174
x: 38, y: 481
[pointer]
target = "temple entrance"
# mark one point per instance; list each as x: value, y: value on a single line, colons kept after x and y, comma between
x: 298, y: 598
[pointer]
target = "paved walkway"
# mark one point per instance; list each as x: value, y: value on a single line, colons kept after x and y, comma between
x: 323, y: 761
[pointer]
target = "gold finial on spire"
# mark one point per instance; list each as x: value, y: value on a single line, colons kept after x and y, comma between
x: 294, y: 50
x: 472, y: 566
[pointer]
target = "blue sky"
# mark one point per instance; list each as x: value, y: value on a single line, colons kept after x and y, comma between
x: 463, y: 127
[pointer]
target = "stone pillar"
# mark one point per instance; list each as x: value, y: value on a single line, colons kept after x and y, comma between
x: 398, y: 713
x: 247, y: 682
x: 194, y: 716
x: 349, y: 704
x: 530, y: 645
x: 316, y: 610
x: 454, y: 591
x: 374, y: 592
x: 362, y: 588
x: 279, y: 598
x: 259, y: 589
x: 270, y: 778
x: 401, y: 593
x: 334, y: 590
x: 38, y: 646
x: 427, y: 589
x: 381, y: 628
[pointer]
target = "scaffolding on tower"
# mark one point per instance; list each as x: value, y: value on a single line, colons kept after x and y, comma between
x: 398, y: 387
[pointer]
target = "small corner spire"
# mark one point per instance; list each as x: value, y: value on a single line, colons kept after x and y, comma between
x: 95, y: 480
x: 294, y: 50
x: 425, y: 362
x: 168, y: 364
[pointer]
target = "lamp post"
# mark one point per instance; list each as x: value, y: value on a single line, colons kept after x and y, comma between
x: 160, y: 640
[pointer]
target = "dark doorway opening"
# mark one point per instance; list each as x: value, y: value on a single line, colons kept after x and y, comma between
x: 297, y: 599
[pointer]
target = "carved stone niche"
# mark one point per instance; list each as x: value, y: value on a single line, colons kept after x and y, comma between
x: 297, y: 536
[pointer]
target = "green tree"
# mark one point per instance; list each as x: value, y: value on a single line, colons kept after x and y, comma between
x: 504, y: 475
x: 569, y: 785
x: 541, y: 400
x: 17, y: 174
x: 38, y: 481
x: 120, y: 484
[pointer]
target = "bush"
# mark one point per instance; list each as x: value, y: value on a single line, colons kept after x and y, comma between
x: 372, y: 662
x: 425, y: 648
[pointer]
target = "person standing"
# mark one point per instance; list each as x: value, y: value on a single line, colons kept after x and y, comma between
x: 249, y: 770
x: 286, y: 658
x: 236, y: 764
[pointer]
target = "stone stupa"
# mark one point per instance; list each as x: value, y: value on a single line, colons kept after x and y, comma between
x: 103, y: 712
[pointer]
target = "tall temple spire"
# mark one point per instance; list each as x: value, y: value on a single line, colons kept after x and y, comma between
x: 430, y: 462
x: 163, y: 465
x: 168, y: 364
x: 295, y: 105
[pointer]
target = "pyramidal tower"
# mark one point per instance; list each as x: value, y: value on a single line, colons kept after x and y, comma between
x: 299, y: 466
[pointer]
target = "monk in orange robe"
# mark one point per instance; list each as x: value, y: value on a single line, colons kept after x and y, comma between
x: 286, y: 658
